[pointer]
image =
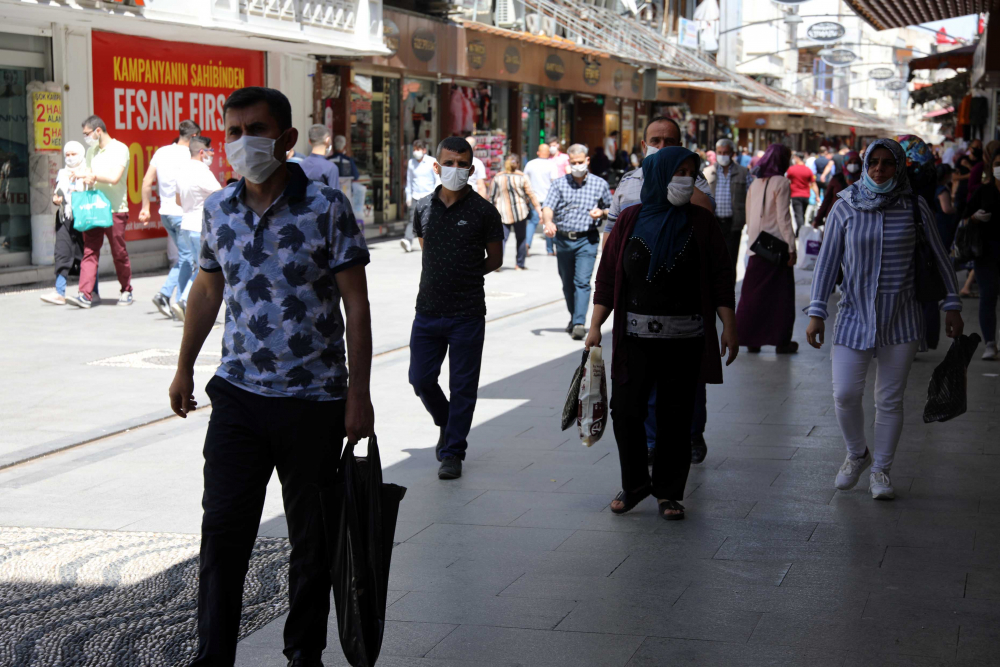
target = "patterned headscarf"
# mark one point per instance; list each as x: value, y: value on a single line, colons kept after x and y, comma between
x: 917, y: 152
x: 863, y: 199
x: 775, y: 161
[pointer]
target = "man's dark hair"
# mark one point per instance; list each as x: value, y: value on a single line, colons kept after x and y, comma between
x: 199, y: 144
x: 419, y: 143
x: 456, y: 145
x: 95, y: 123
x: 614, y: 133
x: 277, y: 103
x: 662, y: 119
x: 187, y: 129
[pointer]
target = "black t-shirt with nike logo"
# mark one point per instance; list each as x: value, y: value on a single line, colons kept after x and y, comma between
x: 455, y: 238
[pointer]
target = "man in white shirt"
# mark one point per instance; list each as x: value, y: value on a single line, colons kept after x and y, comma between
x: 107, y: 165
x: 421, y: 180
x: 194, y: 184
x: 540, y: 173
x: 478, y: 179
x: 163, y: 169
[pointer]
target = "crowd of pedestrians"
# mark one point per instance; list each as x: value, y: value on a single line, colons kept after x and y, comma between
x: 282, y: 248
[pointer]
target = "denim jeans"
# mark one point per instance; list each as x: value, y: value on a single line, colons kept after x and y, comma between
x: 698, y: 419
x: 988, y: 279
x: 462, y: 339
x: 530, y: 227
x: 576, y: 266
x: 189, y: 248
x: 172, y: 223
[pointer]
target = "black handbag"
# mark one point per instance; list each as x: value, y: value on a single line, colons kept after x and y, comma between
x: 767, y: 246
x: 359, y: 519
x: 928, y: 283
x: 969, y: 242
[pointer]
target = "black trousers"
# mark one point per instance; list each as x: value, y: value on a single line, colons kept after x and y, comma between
x: 68, y: 248
x: 673, y: 366
x: 248, y: 437
x: 732, y: 235
x: 799, y: 206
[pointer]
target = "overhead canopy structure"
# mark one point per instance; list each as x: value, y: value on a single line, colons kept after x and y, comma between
x: 956, y: 88
x: 885, y: 14
x: 960, y: 58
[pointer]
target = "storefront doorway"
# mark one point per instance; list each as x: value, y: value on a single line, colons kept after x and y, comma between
x: 23, y: 59
x: 375, y: 145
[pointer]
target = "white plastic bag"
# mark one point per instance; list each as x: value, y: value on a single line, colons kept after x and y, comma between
x: 592, y: 415
x: 810, y: 241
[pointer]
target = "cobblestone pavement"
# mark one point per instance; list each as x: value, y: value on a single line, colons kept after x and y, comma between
x: 520, y: 562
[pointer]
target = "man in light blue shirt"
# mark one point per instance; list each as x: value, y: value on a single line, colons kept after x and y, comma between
x: 421, y: 180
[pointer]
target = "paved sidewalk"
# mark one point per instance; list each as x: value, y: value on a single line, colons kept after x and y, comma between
x: 520, y: 562
x: 73, y: 375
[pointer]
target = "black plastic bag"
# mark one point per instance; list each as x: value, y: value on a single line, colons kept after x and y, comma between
x: 359, y: 516
x: 571, y: 408
x: 969, y: 244
x: 946, y: 393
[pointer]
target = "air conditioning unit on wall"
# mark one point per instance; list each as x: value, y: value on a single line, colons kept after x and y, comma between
x: 508, y: 16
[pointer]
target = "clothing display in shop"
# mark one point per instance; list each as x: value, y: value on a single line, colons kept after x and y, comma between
x: 418, y: 109
x: 471, y: 109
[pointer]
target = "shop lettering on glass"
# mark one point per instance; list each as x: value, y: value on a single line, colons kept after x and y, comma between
x: 475, y: 54
x: 47, y: 111
x: 512, y: 59
x: 555, y: 68
x: 591, y: 72
x: 144, y: 88
x: 424, y: 43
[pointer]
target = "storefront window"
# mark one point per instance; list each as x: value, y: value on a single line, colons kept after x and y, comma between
x: 531, y: 125
x: 15, y: 209
x: 420, y: 112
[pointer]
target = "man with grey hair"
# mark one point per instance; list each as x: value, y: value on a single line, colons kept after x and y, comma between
x: 574, y: 207
x: 345, y: 164
x: 316, y: 166
x: 729, y: 182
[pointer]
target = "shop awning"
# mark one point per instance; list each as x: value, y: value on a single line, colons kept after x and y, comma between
x: 885, y: 14
x: 603, y: 29
x: 955, y: 87
x: 960, y: 58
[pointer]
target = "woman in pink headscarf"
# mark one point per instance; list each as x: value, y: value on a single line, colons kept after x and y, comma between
x: 766, y: 311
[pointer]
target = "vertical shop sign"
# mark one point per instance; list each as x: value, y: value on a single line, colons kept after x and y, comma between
x: 555, y: 68
x: 512, y: 59
x: 47, y: 112
x: 144, y: 88
x: 475, y: 54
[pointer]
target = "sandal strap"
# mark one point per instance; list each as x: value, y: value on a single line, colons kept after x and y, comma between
x: 671, y: 505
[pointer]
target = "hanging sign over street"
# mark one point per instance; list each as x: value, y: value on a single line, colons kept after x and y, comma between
x: 825, y: 31
x: 838, y: 57
x: 881, y: 73
x: 897, y: 84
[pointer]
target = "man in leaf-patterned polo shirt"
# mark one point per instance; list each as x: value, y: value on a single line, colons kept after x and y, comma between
x: 283, y: 252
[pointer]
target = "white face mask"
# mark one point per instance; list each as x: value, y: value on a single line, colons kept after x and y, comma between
x: 453, y: 178
x: 854, y: 168
x: 579, y: 170
x: 253, y: 157
x: 679, y: 190
x: 207, y: 159
x: 418, y: 155
x: 996, y: 172
x: 723, y: 160
x: 73, y: 161
x: 91, y: 139
x: 651, y: 150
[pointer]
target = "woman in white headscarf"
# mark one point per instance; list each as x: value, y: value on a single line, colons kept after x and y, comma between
x: 69, y: 242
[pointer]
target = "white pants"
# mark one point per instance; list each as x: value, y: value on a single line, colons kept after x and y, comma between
x: 850, y: 369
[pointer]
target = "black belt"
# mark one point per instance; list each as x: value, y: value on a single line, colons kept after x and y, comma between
x: 573, y: 236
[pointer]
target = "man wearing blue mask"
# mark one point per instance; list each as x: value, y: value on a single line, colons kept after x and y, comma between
x: 460, y: 235
x: 282, y: 251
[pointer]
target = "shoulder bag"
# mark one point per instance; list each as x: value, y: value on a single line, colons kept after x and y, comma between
x: 928, y: 283
x: 767, y: 246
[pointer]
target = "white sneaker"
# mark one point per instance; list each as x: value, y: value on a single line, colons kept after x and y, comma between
x: 55, y: 298
x: 881, y: 486
x: 990, y: 353
x: 850, y: 472
x: 407, y: 245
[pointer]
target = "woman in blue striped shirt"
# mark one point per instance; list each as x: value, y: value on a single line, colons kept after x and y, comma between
x: 871, y: 233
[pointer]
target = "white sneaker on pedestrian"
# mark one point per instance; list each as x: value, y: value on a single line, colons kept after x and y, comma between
x: 881, y: 486
x: 55, y: 298
x: 179, y: 310
x: 850, y: 472
x: 125, y: 299
x: 990, y: 353
x: 407, y: 245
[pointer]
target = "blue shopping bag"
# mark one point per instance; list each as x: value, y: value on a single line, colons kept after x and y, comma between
x: 91, y: 210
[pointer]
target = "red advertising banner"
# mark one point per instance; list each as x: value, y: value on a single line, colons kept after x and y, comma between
x: 144, y: 88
